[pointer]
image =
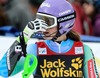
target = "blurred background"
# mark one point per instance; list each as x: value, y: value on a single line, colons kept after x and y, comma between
x: 15, y: 14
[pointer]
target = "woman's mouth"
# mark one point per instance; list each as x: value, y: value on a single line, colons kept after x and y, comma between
x: 45, y: 32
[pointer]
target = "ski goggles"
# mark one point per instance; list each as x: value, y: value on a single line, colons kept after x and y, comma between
x: 52, y: 21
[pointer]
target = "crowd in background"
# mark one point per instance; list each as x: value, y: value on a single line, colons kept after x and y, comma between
x: 88, y: 16
x: 17, y: 13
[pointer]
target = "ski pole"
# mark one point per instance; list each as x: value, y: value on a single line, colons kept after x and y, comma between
x: 29, y: 69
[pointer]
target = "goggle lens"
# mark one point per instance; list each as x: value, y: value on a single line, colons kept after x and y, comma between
x: 51, y: 21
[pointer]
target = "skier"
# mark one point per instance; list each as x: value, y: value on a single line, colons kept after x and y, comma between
x: 61, y: 54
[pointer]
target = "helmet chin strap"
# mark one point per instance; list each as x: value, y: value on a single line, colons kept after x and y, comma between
x: 56, y: 36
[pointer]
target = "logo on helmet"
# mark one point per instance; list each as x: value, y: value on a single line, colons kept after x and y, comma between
x: 66, y: 18
x: 64, y: 12
x: 45, y: 4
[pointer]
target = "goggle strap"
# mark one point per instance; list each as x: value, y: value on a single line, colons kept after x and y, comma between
x: 66, y: 17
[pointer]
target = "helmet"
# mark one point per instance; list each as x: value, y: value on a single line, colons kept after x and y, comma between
x: 58, y: 13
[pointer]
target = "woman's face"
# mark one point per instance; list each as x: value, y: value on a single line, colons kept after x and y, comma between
x: 50, y: 33
x: 88, y: 9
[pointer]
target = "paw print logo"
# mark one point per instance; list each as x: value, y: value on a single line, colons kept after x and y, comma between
x: 77, y: 63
